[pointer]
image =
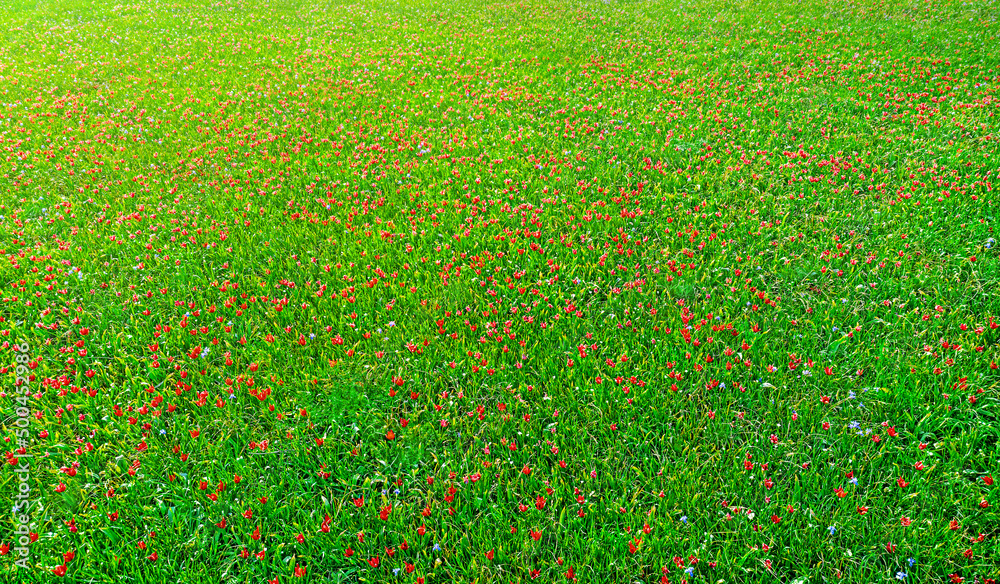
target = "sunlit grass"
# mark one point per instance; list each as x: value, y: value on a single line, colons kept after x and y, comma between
x: 438, y: 292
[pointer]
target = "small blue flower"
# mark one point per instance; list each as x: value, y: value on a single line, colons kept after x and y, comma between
x: 437, y: 547
x: 684, y: 519
x: 689, y: 571
x: 832, y: 529
x: 854, y: 481
x: 911, y: 561
x: 901, y: 575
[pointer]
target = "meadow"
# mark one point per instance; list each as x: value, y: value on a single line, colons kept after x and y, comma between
x: 601, y: 291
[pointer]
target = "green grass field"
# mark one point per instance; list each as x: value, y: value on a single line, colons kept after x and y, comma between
x: 431, y: 292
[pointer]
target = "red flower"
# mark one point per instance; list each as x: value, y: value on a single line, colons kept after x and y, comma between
x: 489, y: 555
x: 373, y: 562
x: 775, y: 519
x: 988, y: 480
x: 59, y: 570
x: 299, y: 571
x: 348, y: 552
